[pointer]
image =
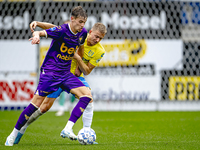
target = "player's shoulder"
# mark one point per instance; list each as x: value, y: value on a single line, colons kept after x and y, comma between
x: 57, y: 28
x: 100, y: 48
x: 64, y: 26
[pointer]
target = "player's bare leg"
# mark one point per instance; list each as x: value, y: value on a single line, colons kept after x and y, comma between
x: 61, y: 100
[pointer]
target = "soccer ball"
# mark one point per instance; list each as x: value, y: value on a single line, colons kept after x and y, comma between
x: 86, y: 136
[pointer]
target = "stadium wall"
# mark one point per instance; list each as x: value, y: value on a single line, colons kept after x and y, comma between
x: 151, y: 61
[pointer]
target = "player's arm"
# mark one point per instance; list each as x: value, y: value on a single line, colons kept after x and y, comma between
x: 43, y: 25
x: 80, y: 53
x: 86, y: 69
x: 36, y: 36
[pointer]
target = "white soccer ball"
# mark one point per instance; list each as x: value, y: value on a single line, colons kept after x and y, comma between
x: 86, y: 136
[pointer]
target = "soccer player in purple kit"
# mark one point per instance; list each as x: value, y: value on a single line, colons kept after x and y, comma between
x: 55, y: 71
x: 93, y: 53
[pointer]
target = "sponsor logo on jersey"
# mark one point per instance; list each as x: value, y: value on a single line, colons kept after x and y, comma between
x: 64, y: 57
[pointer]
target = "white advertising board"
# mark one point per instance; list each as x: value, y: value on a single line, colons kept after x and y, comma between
x: 18, y: 55
x: 131, y: 83
x: 108, y: 84
x: 18, y: 78
x: 127, y: 83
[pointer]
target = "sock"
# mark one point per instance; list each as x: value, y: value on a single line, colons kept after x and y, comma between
x: 72, y: 98
x: 61, y: 108
x: 62, y: 99
x: 33, y: 117
x: 79, y: 108
x: 88, y: 115
x: 23, y: 118
x: 69, y: 125
x: 14, y: 132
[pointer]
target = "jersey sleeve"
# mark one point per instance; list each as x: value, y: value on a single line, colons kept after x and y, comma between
x: 55, y: 32
x: 96, y: 59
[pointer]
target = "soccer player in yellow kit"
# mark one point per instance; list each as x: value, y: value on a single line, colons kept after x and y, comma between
x: 93, y: 53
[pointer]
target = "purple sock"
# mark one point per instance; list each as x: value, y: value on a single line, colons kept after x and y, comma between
x: 23, y: 118
x: 79, y: 108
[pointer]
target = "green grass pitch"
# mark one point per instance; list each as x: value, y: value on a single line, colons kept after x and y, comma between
x: 115, y: 131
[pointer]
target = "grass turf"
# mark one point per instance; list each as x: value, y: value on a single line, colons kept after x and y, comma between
x: 115, y: 131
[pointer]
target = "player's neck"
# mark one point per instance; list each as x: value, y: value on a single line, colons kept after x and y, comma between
x: 88, y: 43
x: 72, y: 29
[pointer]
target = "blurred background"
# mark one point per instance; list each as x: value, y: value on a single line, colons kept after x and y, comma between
x: 152, y: 53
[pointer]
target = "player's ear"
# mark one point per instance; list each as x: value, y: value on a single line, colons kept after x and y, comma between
x: 90, y: 31
x: 72, y: 18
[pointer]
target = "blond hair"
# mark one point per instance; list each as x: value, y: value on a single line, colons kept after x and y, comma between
x: 100, y: 27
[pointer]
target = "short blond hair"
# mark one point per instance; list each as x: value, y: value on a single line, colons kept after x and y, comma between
x: 100, y: 27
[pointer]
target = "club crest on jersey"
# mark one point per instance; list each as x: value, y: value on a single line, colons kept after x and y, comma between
x: 80, y: 39
x: 90, y: 53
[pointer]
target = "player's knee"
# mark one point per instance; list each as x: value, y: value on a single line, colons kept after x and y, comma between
x: 44, y: 110
x: 37, y: 100
x: 44, y: 107
x: 88, y: 93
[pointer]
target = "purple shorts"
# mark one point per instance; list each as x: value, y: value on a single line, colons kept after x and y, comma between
x: 50, y: 82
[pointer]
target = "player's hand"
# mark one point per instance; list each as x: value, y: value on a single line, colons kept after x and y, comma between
x: 35, y: 39
x: 77, y: 72
x: 76, y: 56
x: 33, y: 25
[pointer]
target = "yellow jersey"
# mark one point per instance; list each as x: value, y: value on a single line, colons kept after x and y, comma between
x: 92, y: 54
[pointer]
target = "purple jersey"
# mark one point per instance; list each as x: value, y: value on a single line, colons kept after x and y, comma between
x: 63, y: 46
